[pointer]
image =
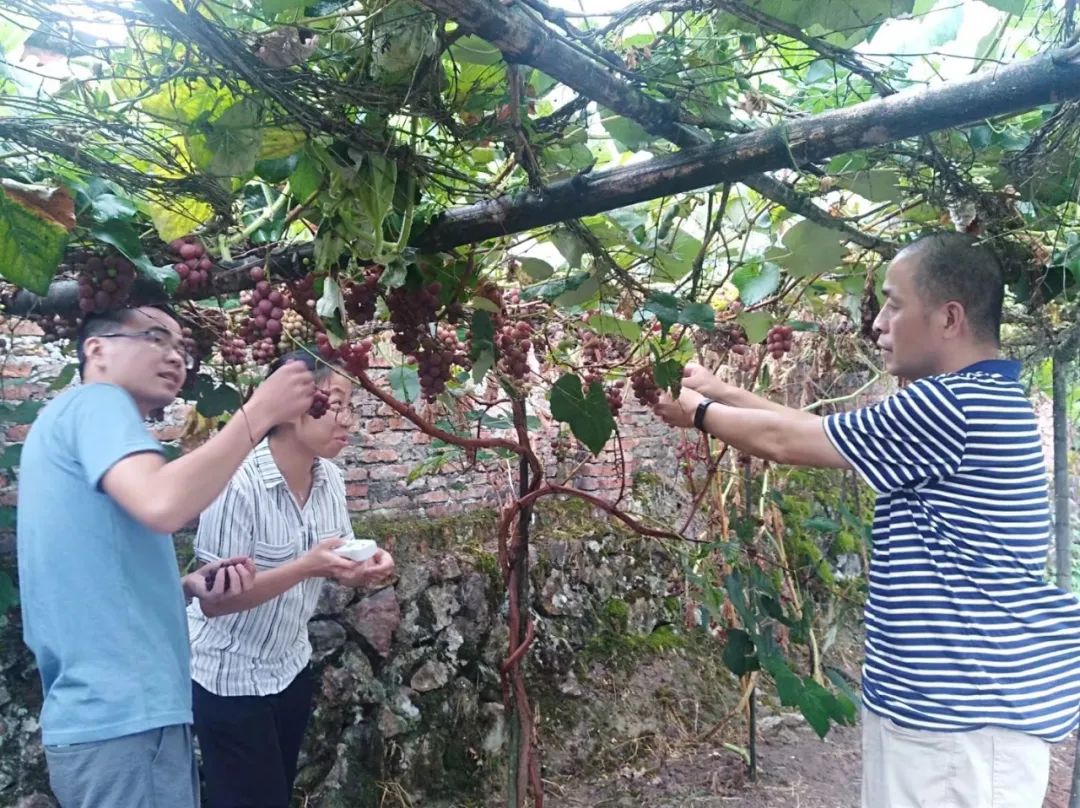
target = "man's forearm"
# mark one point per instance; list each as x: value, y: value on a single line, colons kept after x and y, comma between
x: 735, y: 396
x: 166, y: 496
x: 268, y: 585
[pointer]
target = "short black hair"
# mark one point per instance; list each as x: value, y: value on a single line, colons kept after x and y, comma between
x: 105, y: 323
x: 310, y: 358
x: 957, y: 266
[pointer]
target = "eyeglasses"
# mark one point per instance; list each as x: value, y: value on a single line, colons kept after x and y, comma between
x: 343, y: 413
x: 160, y: 339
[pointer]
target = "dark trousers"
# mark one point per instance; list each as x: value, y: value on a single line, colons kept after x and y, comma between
x: 250, y: 744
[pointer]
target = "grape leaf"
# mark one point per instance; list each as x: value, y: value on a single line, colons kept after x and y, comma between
x: 404, y: 383
x: 756, y: 281
x: 739, y: 653
x: 587, y: 414
x: 35, y: 224
x: 607, y: 324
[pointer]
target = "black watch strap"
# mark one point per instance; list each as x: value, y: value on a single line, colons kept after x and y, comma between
x: 699, y: 413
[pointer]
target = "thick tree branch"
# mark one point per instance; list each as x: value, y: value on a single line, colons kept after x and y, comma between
x: 523, y: 39
x: 990, y: 93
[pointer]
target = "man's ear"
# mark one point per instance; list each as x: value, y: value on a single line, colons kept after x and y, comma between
x: 955, y: 318
x: 93, y: 348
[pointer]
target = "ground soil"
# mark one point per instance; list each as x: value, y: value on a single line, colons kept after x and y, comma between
x: 797, y: 770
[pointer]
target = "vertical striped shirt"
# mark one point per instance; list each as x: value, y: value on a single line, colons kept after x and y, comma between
x: 258, y: 652
x: 962, y: 631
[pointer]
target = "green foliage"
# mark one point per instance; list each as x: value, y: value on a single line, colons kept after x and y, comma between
x: 586, y: 413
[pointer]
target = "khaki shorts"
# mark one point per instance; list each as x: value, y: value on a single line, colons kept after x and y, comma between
x: 983, y: 768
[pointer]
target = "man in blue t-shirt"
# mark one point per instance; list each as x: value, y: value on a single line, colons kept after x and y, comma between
x: 102, y: 600
x: 972, y: 660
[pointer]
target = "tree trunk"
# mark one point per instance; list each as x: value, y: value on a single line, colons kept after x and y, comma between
x: 1000, y: 91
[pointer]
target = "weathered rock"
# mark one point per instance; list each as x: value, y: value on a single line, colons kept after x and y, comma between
x: 326, y: 637
x: 438, y: 606
x: 559, y: 598
x: 446, y: 568
x: 493, y: 726
x: 375, y: 618
x: 36, y: 801
x: 399, y: 715
x: 333, y: 599
x: 431, y: 676
x: 412, y: 580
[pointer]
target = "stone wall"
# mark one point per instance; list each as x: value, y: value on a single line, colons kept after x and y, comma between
x: 410, y: 701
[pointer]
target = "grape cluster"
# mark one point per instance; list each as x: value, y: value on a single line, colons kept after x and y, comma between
x: 614, y: 395
x: 514, y: 341
x: 320, y: 403
x: 194, y: 267
x: 233, y: 349
x: 296, y: 329
x: 263, y: 351
x: 56, y: 327
x: 779, y: 340
x: 104, y: 281
x: 646, y: 391
x: 326, y: 350
x: 411, y: 311
x: 268, y: 307
x: 361, y: 296
x: 435, y: 359
x: 356, y: 356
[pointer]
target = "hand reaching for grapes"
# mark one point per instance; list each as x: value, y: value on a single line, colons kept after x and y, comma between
x: 220, y: 581
x: 679, y: 412
x: 287, y: 394
x: 703, y: 380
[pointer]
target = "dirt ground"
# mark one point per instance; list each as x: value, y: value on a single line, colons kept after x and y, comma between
x: 797, y: 770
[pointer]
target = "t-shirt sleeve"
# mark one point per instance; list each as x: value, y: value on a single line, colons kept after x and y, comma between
x: 227, y: 527
x: 106, y: 427
x: 912, y: 438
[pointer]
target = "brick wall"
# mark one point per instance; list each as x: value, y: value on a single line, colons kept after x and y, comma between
x: 386, y: 449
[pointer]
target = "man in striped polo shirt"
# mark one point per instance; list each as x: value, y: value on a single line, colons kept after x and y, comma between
x: 972, y: 660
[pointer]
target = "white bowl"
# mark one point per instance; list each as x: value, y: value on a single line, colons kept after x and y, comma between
x: 358, y: 549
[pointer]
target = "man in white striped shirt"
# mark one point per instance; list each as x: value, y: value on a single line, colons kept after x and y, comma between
x: 971, y: 657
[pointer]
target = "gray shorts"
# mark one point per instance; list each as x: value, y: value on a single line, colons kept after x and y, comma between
x: 152, y: 769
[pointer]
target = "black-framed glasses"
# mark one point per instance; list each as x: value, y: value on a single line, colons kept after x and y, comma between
x: 343, y: 413
x: 160, y: 339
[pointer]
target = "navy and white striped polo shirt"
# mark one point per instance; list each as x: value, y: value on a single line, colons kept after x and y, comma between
x: 962, y: 631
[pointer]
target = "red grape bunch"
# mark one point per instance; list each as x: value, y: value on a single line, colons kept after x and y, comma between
x: 361, y: 296
x: 263, y: 351
x: 645, y: 388
x: 104, y: 281
x: 514, y: 341
x: 233, y: 349
x: 320, y: 403
x: 614, y: 395
x: 356, y: 356
x: 411, y: 312
x: 56, y: 327
x: 323, y: 345
x: 779, y: 340
x: 268, y: 307
x: 194, y: 267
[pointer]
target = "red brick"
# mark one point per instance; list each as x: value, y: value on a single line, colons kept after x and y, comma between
x: 354, y: 473
x: 396, y: 471
x: 356, y: 490
x: 421, y: 437
x: 381, y: 456
x: 376, y: 425
x: 434, y: 496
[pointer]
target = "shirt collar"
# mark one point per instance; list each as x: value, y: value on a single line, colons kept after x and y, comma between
x: 271, y: 475
x: 1008, y: 368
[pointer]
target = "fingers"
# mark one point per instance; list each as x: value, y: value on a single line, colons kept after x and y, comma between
x: 331, y: 544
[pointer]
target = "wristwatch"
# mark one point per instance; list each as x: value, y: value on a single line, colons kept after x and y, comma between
x: 699, y: 413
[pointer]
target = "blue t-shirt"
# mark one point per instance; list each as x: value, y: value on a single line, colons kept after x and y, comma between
x: 961, y: 629
x: 102, y: 605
